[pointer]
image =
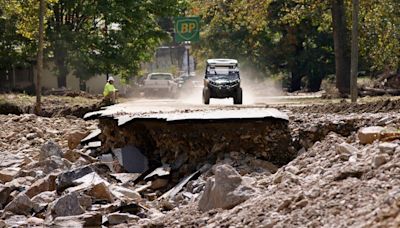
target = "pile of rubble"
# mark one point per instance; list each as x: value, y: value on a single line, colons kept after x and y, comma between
x: 46, y: 177
x: 345, y: 174
x: 350, y: 181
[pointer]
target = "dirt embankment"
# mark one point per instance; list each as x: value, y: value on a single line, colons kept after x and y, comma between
x: 379, y: 106
x: 52, y: 106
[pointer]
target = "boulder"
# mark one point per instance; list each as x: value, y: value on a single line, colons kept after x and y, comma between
x: 35, y: 222
x: 8, y: 174
x: 21, y: 205
x: 387, y: 147
x: 89, y: 219
x: 118, y: 218
x: 345, y: 148
x: 49, y: 149
x: 74, y: 138
x: 20, y: 182
x: 124, y: 193
x: 72, y: 155
x: 67, y: 205
x: 379, y: 160
x: 4, y: 195
x: 87, y: 182
x: 3, y: 224
x: 66, y: 179
x: 47, y: 183
x: 225, y: 190
x: 45, y: 197
x: 101, y: 192
x: 368, y: 135
x: 15, y: 221
x: 51, y: 164
x: 159, y: 183
x: 42, y: 200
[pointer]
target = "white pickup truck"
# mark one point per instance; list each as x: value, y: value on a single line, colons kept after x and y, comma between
x: 160, y: 84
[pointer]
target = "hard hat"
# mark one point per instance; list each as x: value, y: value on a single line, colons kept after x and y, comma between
x: 110, y: 79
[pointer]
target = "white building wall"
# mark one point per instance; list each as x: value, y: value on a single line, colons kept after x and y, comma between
x: 94, y: 85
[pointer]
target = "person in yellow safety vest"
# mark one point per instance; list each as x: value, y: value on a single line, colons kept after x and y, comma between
x: 110, y: 92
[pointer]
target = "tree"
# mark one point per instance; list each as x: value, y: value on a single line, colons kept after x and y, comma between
x: 342, y: 47
x: 106, y: 36
x: 277, y: 36
x: 95, y: 37
x: 42, y: 9
x: 15, y: 48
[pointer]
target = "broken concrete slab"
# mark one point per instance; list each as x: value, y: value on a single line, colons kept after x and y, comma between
x: 159, y: 172
x: 91, y: 137
x: 126, y: 177
x: 132, y: 159
x: 93, y: 145
x: 108, y: 160
x: 173, y: 191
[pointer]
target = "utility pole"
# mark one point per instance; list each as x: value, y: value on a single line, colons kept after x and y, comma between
x: 354, y: 52
x: 39, y: 73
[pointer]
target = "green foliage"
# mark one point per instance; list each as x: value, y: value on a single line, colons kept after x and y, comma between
x: 91, y: 37
x: 290, y: 37
x: 380, y: 34
x: 269, y: 35
x: 295, y: 36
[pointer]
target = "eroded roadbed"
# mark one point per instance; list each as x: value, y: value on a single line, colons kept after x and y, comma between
x: 188, y: 139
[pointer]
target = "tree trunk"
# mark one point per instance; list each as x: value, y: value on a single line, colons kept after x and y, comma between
x: 354, y: 52
x: 62, y: 70
x: 295, y: 81
x: 342, y: 48
x: 39, y: 74
x: 314, y: 84
x: 59, y: 48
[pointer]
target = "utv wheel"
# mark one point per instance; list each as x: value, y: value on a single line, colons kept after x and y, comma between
x: 206, y: 96
x: 237, y: 99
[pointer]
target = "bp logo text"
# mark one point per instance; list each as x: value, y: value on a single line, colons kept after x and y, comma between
x: 187, y: 29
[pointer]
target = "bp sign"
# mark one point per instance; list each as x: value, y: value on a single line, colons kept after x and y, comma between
x: 187, y: 29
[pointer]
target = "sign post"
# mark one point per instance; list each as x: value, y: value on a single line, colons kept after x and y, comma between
x: 187, y: 30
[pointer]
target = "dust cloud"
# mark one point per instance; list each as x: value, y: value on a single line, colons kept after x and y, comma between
x: 255, y: 89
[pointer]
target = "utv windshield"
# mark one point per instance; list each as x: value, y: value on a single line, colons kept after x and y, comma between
x: 227, y: 71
